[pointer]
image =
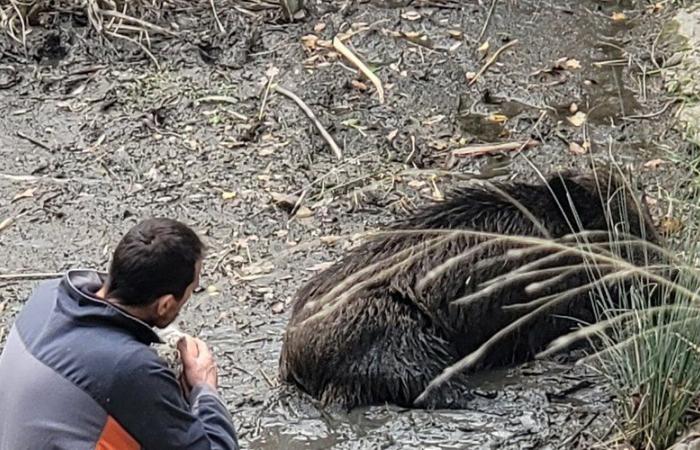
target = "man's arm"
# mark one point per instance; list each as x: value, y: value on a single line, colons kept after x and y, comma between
x: 147, y: 401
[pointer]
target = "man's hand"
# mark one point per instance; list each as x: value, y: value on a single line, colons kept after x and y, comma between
x: 198, y: 366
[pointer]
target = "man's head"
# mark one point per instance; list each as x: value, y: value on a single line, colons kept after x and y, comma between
x: 155, y: 269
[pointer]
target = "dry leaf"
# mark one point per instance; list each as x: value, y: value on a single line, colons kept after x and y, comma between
x: 456, y: 34
x: 228, y: 195
x: 576, y: 149
x: 411, y: 15
x: 577, y: 119
x: 618, y: 17
x: 484, y: 47
x: 416, y: 184
x: 320, y: 266
x: 329, y: 240
x: 669, y: 225
x: 359, y: 85
x: 319, y: 27
x: 497, y: 118
x: 573, y: 108
x: 392, y: 135
x: 26, y: 194
x: 309, y: 41
x: 470, y: 76
x: 304, y: 212
x: 278, y: 308
x: 572, y: 64
x: 212, y: 290
x: 454, y: 47
x: 653, y: 164
x: 284, y: 199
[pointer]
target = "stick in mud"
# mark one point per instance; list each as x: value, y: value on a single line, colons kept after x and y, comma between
x: 482, y: 149
x: 492, y: 60
x: 310, y: 114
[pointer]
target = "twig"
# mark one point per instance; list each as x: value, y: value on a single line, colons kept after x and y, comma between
x: 343, y: 50
x: 488, y: 19
x: 265, y: 96
x: 492, y: 60
x: 34, y: 178
x: 310, y: 114
x: 216, y: 17
x: 34, y: 141
x: 652, y: 115
x: 135, y: 42
x: 30, y: 276
x: 267, y: 378
x: 483, y: 149
x: 223, y: 99
x: 6, y: 223
x: 143, y: 23
x: 579, y: 431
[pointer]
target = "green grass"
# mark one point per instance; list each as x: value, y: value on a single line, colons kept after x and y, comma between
x: 651, y: 358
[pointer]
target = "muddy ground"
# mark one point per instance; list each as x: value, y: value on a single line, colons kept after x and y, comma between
x: 95, y: 138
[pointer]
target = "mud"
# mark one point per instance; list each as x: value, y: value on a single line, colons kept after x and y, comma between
x: 94, y: 138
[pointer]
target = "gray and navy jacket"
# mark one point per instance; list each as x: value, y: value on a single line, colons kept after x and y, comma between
x: 77, y: 373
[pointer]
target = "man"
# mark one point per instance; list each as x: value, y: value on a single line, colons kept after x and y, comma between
x: 77, y: 371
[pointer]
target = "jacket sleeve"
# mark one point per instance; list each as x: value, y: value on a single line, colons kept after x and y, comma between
x: 148, y: 403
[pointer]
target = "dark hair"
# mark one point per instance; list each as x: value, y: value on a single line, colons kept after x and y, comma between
x: 156, y: 257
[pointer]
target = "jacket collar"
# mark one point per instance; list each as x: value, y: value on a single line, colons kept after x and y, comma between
x: 81, y: 285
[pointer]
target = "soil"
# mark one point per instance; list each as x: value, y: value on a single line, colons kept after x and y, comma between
x: 94, y: 138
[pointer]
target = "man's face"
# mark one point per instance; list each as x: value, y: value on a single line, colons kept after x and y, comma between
x: 169, y: 307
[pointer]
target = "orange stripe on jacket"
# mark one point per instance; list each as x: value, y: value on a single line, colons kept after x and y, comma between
x: 114, y: 437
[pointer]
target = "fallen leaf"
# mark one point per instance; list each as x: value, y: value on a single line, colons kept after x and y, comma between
x: 320, y: 266
x: 303, y: 212
x: 416, y: 184
x: 319, y: 27
x: 577, y: 119
x: 497, y: 118
x: 284, y: 199
x: 576, y: 149
x: 329, y: 239
x: 653, y: 164
x: 228, y: 195
x: 25, y: 194
x: 309, y: 41
x: 278, y: 308
x: 484, y: 47
x: 572, y: 64
x: 212, y: 290
x: 257, y: 269
x: 411, y: 15
x: 392, y: 135
x: 573, y: 108
x: 669, y: 225
x: 456, y: 34
x: 470, y: 76
x: 359, y: 85
x: 618, y: 16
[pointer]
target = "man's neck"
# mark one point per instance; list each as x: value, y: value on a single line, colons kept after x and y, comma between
x: 138, y: 313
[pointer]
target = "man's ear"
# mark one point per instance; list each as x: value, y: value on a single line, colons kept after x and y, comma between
x: 165, y: 304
